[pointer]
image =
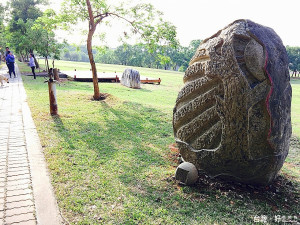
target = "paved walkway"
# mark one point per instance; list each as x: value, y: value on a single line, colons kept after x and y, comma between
x: 26, y: 195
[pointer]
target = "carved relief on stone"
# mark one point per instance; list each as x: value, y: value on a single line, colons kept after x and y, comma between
x: 232, y: 117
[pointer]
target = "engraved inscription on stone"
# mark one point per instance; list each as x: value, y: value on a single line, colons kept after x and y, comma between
x: 232, y: 117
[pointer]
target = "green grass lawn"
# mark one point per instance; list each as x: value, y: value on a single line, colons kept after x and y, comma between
x: 296, y: 107
x: 113, y: 161
x: 292, y: 165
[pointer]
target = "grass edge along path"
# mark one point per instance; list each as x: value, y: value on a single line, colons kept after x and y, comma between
x: 112, y: 162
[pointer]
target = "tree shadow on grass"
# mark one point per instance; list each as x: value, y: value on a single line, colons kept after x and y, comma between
x: 129, y: 146
x: 129, y: 130
x: 270, y: 200
x: 137, y: 129
x: 222, y: 197
x: 144, y: 90
x: 59, y: 125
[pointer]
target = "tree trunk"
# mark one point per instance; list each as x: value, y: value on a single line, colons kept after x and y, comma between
x: 92, y: 28
x: 92, y: 62
x: 47, y: 64
x: 36, y: 63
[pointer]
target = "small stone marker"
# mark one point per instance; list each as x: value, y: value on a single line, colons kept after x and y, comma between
x: 232, y: 118
x: 131, y: 78
x: 186, y: 173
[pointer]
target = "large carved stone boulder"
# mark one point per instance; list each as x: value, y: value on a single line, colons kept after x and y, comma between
x: 232, y: 117
x: 131, y: 78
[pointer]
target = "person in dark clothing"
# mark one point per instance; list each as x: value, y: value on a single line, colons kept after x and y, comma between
x: 10, y: 61
x: 32, y: 64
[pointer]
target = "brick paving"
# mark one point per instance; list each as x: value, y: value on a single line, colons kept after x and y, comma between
x: 26, y: 196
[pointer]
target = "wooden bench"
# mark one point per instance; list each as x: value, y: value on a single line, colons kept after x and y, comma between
x: 152, y: 80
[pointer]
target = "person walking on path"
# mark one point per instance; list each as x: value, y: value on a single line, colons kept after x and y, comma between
x: 32, y: 64
x: 10, y: 61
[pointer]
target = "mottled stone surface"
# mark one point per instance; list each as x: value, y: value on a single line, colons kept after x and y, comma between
x: 131, y: 78
x: 232, y: 117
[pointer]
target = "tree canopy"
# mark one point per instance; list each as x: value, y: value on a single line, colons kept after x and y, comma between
x: 143, y: 20
x: 2, y: 29
x: 29, y: 29
x: 47, y: 46
x: 23, y: 10
x: 294, y: 59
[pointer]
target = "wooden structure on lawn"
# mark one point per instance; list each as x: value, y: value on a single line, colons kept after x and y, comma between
x: 86, y: 76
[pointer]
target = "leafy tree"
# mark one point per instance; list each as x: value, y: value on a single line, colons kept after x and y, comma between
x: 135, y: 55
x: 79, y: 51
x: 149, y: 59
x: 2, y: 30
x: 75, y: 56
x: 184, y: 54
x: 22, y: 14
x: 164, y: 60
x: 23, y: 40
x: 139, y: 55
x: 143, y: 19
x: 47, y: 45
x: 24, y: 10
x: 124, y: 53
x: 194, y: 44
x: 84, y: 58
x: 294, y: 59
x: 106, y: 55
x: 66, y: 54
x: 177, y: 57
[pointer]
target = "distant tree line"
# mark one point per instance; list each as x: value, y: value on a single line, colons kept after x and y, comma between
x: 75, y: 53
x: 294, y: 60
x: 167, y: 58
x: 25, y: 28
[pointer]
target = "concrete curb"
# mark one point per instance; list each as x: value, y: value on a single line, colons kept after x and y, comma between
x: 47, y: 212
